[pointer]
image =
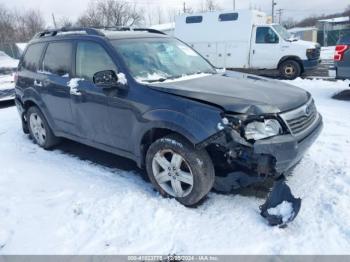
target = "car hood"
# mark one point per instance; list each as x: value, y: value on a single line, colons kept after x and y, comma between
x: 238, y: 93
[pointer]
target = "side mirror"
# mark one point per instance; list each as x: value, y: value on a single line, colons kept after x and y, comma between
x: 108, y: 79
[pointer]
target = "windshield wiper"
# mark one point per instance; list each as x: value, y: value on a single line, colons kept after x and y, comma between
x: 162, y: 79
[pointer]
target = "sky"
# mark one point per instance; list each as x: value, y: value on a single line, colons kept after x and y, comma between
x: 296, y: 9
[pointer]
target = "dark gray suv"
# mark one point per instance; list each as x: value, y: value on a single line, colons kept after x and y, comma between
x: 151, y: 98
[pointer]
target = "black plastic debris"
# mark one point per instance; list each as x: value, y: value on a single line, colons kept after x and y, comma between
x: 235, y: 180
x: 280, y: 195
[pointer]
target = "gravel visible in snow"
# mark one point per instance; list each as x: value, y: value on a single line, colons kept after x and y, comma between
x: 52, y: 202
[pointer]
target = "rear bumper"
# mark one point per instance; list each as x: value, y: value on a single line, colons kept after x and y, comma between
x: 311, y: 64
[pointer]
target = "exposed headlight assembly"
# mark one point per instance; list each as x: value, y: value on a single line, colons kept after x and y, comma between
x: 262, y: 129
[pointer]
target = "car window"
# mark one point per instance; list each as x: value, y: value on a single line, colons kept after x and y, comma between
x: 58, y: 58
x: 265, y: 35
x: 150, y: 59
x: 92, y: 58
x: 32, y: 57
x: 228, y: 17
x: 194, y: 19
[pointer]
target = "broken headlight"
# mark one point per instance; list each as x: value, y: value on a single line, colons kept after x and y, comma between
x: 262, y: 129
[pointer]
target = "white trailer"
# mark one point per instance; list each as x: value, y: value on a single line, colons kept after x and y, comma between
x: 243, y: 39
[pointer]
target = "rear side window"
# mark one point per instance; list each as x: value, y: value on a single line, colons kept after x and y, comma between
x: 92, y: 58
x: 58, y: 58
x: 32, y: 57
x: 228, y: 17
x: 194, y: 19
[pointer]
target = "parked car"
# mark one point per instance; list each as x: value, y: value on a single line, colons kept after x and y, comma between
x: 341, y: 68
x: 243, y: 39
x: 7, y: 67
x: 151, y: 98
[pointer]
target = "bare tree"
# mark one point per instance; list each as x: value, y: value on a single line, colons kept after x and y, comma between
x: 7, y: 30
x: 19, y: 26
x: 209, y: 5
x: 65, y: 22
x: 111, y: 13
x: 289, y: 23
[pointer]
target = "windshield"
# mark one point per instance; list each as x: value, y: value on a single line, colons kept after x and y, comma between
x: 158, y: 59
x: 282, y: 32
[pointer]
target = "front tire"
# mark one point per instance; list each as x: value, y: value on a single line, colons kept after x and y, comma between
x: 177, y: 169
x: 290, y: 69
x: 39, y: 129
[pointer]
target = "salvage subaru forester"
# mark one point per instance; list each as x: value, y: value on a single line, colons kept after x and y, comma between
x: 151, y: 98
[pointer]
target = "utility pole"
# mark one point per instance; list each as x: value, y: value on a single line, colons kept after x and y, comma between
x: 273, y: 10
x: 279, y: 12
x: 234, y: 5
x: 184, y: 7
x: 54, y: 21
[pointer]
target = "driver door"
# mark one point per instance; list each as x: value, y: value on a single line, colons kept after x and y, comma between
x: 265, y: 51
x: 89, y: 102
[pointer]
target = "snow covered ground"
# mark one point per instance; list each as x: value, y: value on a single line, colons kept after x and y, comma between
x: 52, y: 202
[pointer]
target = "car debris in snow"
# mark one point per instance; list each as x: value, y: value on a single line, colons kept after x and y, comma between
x: 281, y: 207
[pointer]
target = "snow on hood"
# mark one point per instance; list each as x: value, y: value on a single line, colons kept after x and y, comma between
x: 155, y: 76
x: 238, y: 93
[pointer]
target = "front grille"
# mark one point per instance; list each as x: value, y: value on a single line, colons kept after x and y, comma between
x: 302, y: 118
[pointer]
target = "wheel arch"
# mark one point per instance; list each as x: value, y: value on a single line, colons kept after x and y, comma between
x: 294, y: 58
x: 154, y: 134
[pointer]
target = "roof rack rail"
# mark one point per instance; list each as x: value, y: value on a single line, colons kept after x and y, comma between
x: 93, y: 30
x: 54, y: 32
x: 130, y: 28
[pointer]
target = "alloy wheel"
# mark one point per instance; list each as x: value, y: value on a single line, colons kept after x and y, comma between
x: 172, y: 173
x: 38, y: 128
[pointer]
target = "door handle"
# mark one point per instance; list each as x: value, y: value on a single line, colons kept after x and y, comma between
x: 75, y: 91
x: 38, y: 83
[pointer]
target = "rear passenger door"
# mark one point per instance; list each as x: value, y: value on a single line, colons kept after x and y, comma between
x: 55, y: 74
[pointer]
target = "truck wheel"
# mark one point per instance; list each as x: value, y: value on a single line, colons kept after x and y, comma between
x: 176, y: 169
x: 289, y: 69
x: 39, y: 129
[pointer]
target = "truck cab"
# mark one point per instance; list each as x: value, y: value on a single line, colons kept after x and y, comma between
x: 272, y: 47
x: 244, y: 40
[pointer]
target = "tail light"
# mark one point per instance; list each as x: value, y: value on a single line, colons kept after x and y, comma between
x: 339, y: 52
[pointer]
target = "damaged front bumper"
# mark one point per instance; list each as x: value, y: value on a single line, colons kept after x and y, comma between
x: 269, y: 157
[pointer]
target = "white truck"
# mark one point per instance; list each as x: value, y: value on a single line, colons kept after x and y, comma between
x: 244, y: 39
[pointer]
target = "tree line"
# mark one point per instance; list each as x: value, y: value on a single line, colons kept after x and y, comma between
x: 20, y: 26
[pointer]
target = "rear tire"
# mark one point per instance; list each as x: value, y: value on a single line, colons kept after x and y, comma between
x: 289, y: 69
x: 39, y: 129
x: 176, y: 169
